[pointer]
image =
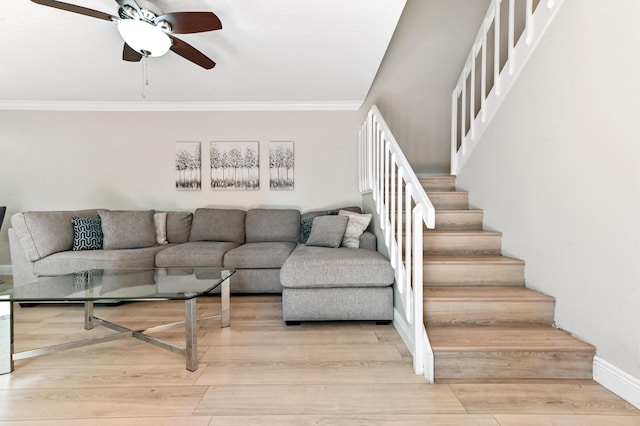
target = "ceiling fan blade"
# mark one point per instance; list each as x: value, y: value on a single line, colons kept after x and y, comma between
x: 128, y: 54
x: 190, y: 53
x: 75, y: 9
x: 191, y: 22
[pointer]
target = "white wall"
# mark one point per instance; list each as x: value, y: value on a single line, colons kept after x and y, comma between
x: 420, y: 69
x: 73, y: 160
x: 558, y: 172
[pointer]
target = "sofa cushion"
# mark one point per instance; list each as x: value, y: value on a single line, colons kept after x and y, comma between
x: 179, y: 226
x: 314, y: 267
x: 258, y: 255
x: 128, y: 229
x: 356, y: 225
x: 266, y: 225
x: 73, y: 261
x: 327, y: 231
x: 368, y: 241
x: 218, y: 225
x: 197, y: 253
x: 87, y: 233
x: 47, y: 232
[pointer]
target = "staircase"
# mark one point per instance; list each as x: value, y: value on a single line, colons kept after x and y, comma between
x: 481, y: 320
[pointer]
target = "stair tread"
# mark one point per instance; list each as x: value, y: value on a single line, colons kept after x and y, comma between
x: 463, y: 232
x: 459, y: 211
x: 444, y: 193
x: 471, y: 259
x: 504, y: 339
x: 485, y: 294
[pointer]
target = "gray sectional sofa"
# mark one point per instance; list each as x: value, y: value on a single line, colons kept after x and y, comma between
x: 272, y: 251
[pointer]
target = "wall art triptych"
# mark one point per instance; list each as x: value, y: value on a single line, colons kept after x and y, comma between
x: 234, y: 166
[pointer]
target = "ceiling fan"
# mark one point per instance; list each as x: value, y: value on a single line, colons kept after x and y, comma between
x: 147, y: 31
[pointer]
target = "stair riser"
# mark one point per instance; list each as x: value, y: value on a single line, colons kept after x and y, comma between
x: 465, y: 244
x: 473, y: 274
x: 513, y: 365
x: 463, y: 220
x: 454, y: 220
x: 487, y: 313
x: 449, y: 200
x: 438, y: 183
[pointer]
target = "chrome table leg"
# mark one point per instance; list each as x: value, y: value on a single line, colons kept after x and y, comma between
x: 88, y: 315
x: 225, y: 314
x: 191, y: 331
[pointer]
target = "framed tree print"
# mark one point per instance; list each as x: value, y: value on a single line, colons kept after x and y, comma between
x: 188, y: 166
x: 281, y: 163
x: 235, y: 166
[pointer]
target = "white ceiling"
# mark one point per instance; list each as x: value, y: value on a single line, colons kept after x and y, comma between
x: 270, y: 54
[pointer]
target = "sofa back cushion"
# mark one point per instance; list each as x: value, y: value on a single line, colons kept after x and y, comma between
x: 128, y: 229
x: 179, y: 226
x: 273, y: 225
x: 218, y: 225
x: 44, y: 233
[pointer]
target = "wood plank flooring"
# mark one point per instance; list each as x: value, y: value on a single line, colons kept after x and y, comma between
x: 261, y: 372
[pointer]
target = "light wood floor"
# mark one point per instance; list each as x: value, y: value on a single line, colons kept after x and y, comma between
x: 260, y: 372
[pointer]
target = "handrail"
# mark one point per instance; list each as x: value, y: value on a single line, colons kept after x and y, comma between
x: 470, y: 116
x: 403, y: 209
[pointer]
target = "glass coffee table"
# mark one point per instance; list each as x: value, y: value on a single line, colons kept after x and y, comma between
x: 117, y: 285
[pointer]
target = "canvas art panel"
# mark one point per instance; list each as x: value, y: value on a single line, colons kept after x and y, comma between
x: 188, y: 165
x: 235, y: 166
x: 281, y: 164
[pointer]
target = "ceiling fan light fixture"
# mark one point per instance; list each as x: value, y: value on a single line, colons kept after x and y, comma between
x: 144, y: 37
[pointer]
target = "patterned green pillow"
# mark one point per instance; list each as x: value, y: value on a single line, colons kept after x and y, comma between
x: 87, y: 233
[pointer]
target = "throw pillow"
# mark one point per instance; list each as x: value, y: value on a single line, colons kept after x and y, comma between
x: 128, y: 229
x: 87, y: 233
x: 327, y: 231
x: 356, y: 225
x: 160, y: 223
x: 305, y: 229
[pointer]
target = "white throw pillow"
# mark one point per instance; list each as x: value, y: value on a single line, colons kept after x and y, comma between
x: 160, y: 223
x: 355, y: 227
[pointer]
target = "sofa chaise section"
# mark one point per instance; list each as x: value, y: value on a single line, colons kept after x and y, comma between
x: 342, y: 283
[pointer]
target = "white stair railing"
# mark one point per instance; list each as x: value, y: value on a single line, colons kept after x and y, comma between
x: 494, y: 63
x: 403, y: 209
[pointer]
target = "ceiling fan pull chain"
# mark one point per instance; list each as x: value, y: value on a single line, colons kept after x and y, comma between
x: 145, y: 76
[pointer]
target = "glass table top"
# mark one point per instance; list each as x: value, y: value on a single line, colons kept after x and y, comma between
x: 118, y: 284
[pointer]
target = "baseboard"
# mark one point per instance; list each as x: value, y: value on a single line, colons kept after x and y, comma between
x: 5, y: 269
x: 404, y: 330
x: 617, y: 381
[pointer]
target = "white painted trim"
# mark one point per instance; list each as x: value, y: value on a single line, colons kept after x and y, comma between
x: 617, y: 381
x: 404, y: 329
x: 179, y: 106
x: 5, y: 270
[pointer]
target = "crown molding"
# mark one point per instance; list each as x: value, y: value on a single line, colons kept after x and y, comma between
x: 178, y: 106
